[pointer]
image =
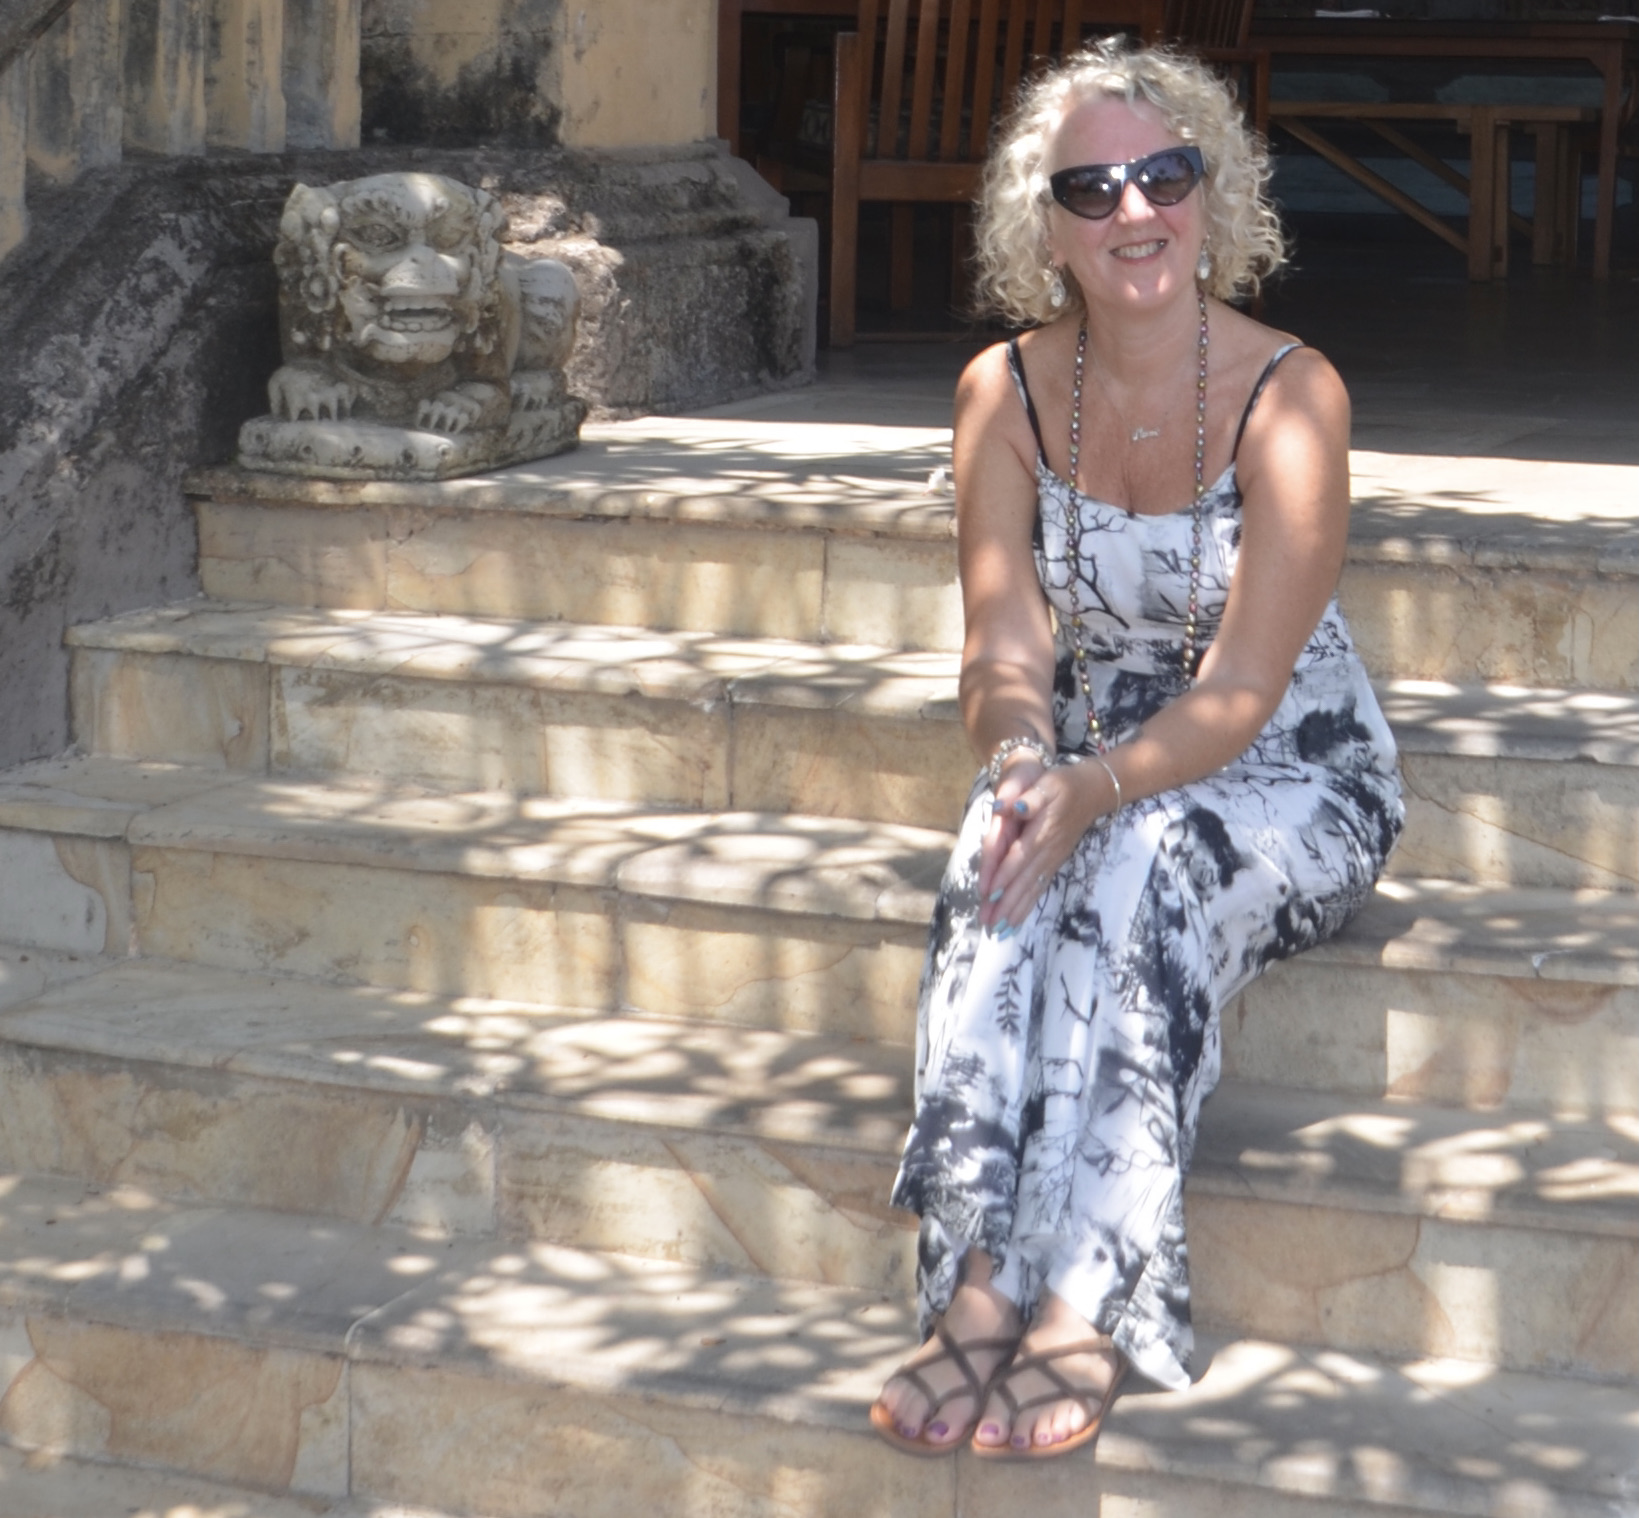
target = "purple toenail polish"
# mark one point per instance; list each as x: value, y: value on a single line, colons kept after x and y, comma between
x: 990, y: 1430
x: 938, y: 1430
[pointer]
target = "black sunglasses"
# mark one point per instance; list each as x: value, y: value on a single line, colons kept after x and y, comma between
x: 1094, y: 190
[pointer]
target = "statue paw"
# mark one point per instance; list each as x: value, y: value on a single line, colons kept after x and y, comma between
x: 448, y: 411
x: 300, y: 394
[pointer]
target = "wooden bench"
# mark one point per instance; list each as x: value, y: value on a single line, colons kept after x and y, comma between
x: 1552, y: 229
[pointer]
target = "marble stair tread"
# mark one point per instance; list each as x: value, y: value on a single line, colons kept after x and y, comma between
x: 861, y: 870
x: 1528, y: 1169
x: 1429, y: 717
x: 856, y: 869
x: 779, y: 862
x: 850, y: 1093
x: 703, y: 668
x: 26, y: 973
x: 1512, y: 722
x: 95, y: 796
x: 1458, y: 511
x: 783, y: 476
x: 1257, y: 1141
x: 872, y: 870
x: 467, y: 1340
x: 46, y: 1484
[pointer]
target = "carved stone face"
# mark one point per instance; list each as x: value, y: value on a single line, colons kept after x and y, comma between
x: 405, y: 251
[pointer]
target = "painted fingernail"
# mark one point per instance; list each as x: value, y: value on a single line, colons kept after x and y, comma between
x: 1004, y: 931
x: 995, y: 895
x: 938, y: 1430
x: 1021, y: 806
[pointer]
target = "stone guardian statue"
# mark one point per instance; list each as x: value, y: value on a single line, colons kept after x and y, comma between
x: 415, y: 347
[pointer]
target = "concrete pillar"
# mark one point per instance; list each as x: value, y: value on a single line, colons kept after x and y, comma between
x: 322, y: 73
x: 636, y: 73
x: 244, y: 75
x: 13, y: 151
x: 76, y: 92
x: 165, y: 76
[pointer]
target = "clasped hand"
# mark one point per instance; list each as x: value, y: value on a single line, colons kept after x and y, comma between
x: 1040, y: 816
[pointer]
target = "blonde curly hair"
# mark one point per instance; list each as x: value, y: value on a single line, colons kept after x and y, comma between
x: 1014, y: 261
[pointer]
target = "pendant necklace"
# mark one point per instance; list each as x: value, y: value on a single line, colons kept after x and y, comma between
x: 1189, y: 656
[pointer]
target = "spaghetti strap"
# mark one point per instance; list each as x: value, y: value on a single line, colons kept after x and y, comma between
x: 1257, y: 391
x: 1015, y: 365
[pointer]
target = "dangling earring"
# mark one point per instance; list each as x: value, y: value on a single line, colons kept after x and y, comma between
x: 1203, y: 264
x: 1056, y: 294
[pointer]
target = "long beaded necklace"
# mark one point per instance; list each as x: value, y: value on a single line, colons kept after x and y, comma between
x: 1190, y: 657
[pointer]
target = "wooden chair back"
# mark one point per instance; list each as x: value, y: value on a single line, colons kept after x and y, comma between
x: 918, y: 89
x: 1207, y: 24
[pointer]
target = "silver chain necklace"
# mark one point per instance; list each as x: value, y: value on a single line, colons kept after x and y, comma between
x: 1190, y: 657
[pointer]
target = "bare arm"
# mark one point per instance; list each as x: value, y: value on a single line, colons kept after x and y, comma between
x: 1007, y: 652
x: 1293, y: 472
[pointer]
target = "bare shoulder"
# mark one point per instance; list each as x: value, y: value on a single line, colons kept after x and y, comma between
x: 986, y: 384
x: 1303, y: 397
x: 989, y: 408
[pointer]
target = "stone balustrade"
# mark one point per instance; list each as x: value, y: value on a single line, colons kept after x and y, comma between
x: 83, y: 81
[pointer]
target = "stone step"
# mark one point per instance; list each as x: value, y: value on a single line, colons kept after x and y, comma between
x: 1334, y: 1220
x: 330, y: 1362
x: 1438, y: 992
x: 41, y: 1483
x: 1506, y: 785
x: 45, y: 1484
x: 830, y: 534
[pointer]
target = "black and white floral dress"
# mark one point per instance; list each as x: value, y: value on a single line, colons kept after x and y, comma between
x: 1060, y: 1073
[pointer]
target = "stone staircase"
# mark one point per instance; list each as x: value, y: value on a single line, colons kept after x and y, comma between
x: 457, y: 1010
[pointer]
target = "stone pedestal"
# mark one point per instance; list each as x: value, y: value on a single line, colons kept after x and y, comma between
x: 245, y: 95
x: 365, y: 451
x: 76, y: 114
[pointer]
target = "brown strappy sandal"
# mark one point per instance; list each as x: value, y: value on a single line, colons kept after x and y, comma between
x: 972, y: 1386
x: 1094, y: 1404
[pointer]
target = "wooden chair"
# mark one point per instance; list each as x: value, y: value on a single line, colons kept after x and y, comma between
x: 917, y: 88
x: 1218, y: 31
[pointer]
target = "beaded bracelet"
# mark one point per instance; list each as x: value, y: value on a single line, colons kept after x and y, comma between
x: 1012, y: 746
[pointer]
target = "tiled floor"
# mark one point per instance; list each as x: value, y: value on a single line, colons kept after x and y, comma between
x: 1542, y: 366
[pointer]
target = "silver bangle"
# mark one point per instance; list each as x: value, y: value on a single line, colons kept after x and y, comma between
x: 1010, y: 746
x: 1104, y: 764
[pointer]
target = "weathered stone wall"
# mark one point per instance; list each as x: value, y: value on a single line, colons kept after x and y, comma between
x: 134, y: 321
x: 613, y: 74
x: 142, y: 316
x: 631, y: 73
x: 458, y: 72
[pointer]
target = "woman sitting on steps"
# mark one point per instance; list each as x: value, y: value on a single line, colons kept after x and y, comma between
x: 1186, y: 773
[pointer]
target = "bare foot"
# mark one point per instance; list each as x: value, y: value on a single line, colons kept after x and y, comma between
x: 978, y: 1313
x: 1053, y: 1418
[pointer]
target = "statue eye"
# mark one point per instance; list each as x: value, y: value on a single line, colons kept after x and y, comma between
x: 375, y: 235
x: 449, y: 235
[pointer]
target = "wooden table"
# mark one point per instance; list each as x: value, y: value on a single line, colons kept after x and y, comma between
x: 1487, y: 183
x: 1603, y: 45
